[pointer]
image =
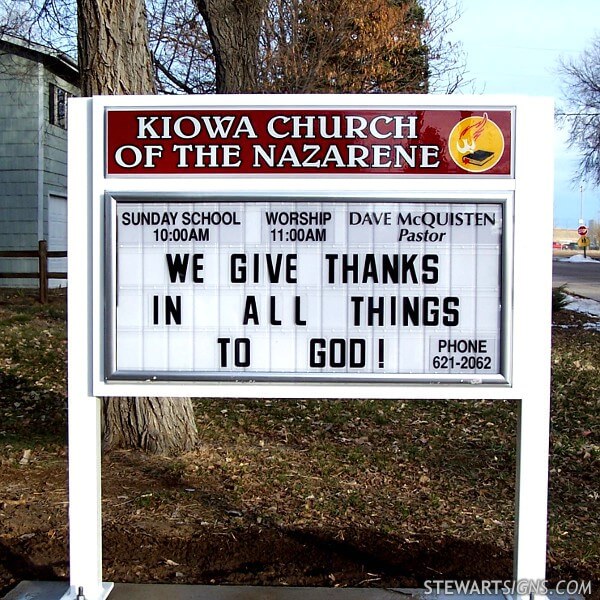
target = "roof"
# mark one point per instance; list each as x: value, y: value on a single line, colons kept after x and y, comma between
x: 58, y: 62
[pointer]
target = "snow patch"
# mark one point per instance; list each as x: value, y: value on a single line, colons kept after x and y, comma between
x: 583, y: 305
x: 579, y: 258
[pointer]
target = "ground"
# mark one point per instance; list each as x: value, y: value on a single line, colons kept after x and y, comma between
x: 288, y: 492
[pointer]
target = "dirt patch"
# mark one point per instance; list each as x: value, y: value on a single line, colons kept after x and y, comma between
x: 163, y: 536
x: 141, y: 546
x: 265, y: 556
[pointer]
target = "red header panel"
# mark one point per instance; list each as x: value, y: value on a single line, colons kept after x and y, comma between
x: 340, y: 141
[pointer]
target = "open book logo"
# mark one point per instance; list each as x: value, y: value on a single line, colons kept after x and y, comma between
x: 476, y: 144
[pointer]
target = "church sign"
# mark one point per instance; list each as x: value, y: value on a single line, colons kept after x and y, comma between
x: 347, y: 287
x: 308, y: 247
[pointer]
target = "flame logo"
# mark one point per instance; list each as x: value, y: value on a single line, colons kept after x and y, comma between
x: 476, y: 143
x: 463, y: 145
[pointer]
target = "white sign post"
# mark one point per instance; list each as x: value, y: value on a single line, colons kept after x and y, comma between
x: 309, y: 246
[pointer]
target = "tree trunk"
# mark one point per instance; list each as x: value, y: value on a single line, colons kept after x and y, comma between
x: 114, y: 59
x: 156, y: 425
x: 233, y: 28
x: 113, y: 47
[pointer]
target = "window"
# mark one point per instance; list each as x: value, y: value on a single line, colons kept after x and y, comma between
x: 58, y: 106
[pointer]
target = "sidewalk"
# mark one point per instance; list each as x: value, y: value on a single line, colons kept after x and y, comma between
x: 52, y: 590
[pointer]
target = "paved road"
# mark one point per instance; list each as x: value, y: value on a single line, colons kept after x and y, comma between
x: 581, y: 278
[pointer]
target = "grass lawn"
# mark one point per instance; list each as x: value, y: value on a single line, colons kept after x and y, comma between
x: 299, y: 492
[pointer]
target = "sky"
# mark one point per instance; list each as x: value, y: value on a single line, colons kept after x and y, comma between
x: 514, y: 47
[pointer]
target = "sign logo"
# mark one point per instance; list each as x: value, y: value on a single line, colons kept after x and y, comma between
x: 476, y: 144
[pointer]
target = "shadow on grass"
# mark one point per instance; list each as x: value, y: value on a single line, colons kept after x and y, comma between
x: 17, y: 565
x: 296, y: 557
x: 30, y: 413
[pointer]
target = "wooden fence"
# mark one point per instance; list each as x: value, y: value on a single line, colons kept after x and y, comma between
x: 42, y: 274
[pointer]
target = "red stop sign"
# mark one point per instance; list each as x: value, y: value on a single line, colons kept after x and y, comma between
x: 582, y: 230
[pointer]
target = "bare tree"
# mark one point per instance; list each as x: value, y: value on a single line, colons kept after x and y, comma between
x: 581, y: 115
x: 52, y: 23
x: 14, y: 18
x: 345, y: 46
x: 307, y: 46
x: 285, y: 54
x: 447, y: 61
x: 233, y: 28
x: 181, y: 50
x: 114, y: 59
x: 113, y: 47
x: 377, y: 45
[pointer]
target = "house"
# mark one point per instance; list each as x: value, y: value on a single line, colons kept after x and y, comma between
x: 35, y: 83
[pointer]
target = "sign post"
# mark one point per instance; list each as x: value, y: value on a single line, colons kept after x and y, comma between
x: 583, y: 241
x: 309, y: 246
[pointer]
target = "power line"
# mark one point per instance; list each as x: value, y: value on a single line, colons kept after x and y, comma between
x: 578, y: 114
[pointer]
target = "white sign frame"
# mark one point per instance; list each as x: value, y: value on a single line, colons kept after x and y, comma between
x: 503, y: 202
x: 527, y: 273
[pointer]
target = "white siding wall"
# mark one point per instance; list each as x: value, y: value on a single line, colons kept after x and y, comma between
x: 57, y: 235
x: 33, y: 162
